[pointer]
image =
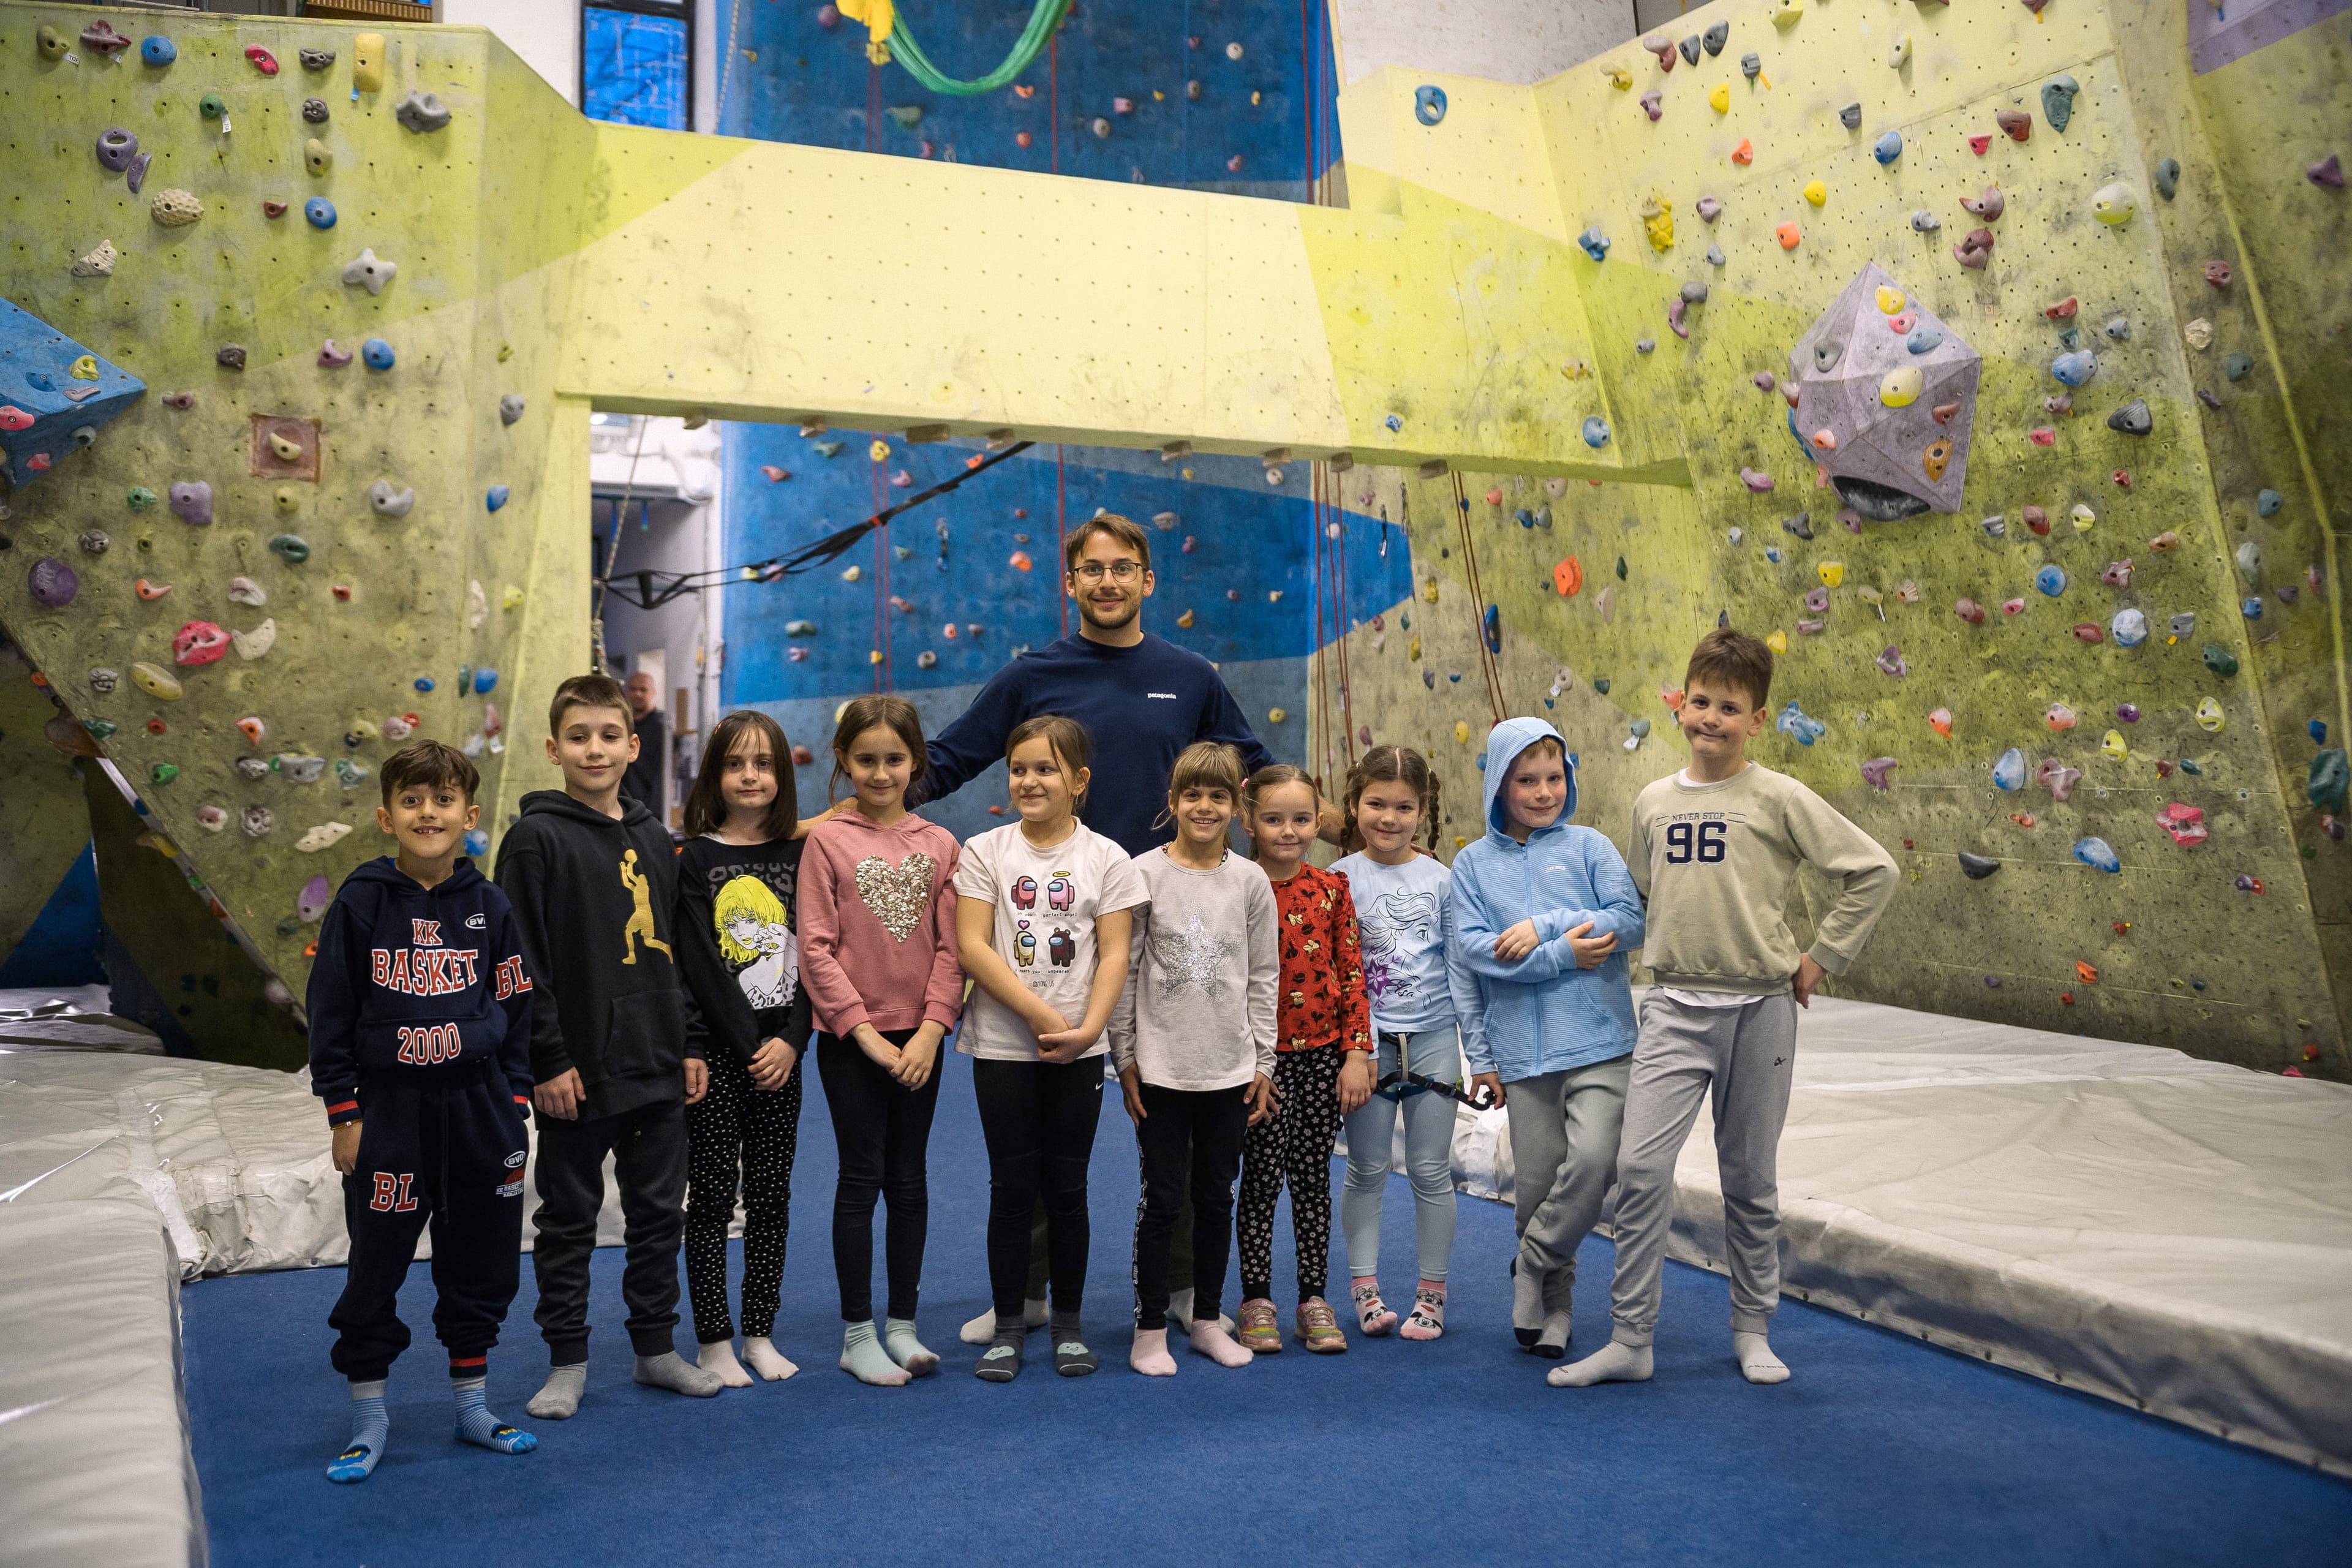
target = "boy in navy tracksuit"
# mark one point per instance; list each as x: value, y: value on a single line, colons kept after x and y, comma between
x: 420, y: 1046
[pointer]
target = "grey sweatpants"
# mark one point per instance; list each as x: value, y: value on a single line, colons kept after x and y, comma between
x: 1740, y: 1059
x: 1564, y: 1128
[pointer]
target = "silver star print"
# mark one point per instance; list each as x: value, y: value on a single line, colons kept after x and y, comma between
x: 1193, y: 957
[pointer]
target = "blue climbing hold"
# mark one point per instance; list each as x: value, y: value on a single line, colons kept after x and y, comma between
x: 2329, y: 779
x: 320, y: 211
x: 2076, y: 368
x: 497, y: 495
x: 1772, y: 553
x: 1595, y: 242
x: 486, y: 680
x: 1799, y: 726
x: 2253, y: 607
x: 1493, y: 625
x: 424, y: 683
x: 477, y: 843
x: 1924, y: 340
x: 2097, y: 854
x: 2009, y: 770
x: 377, y: 354
x: 1429, y: 104
x: 1596, y: 431
x: 2051, y: 580
x: 2129, y: 628
x: 158, y: 51
x: 1526, y: 519
x: 1889, y: 147
x: 2318, y: 730
x: 2268, y: 503
x: 1395, y: 424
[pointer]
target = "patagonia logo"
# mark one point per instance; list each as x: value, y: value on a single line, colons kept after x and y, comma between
x: 512, y: 1189
x: 1162, y: 696
x: 516, y: 1158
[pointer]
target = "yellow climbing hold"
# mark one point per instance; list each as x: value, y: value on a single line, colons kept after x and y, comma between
x: 1777, y: 642
x: 1831, y: 573
x: 1718, y: 98
x: 1277, y: 715
x: 1461, y: 733
x: 1619, y: 77
x: 1901, y: 387
x: 2083, y: 517
x: 156, y: 682
x: 511, y: 599
x: 84, y: 368
x: 2112, y: 743
x: 1658, y: 223
x: 1786, y: 17
x: 1429, y: 590
x: 879, y: 451
x: 1816, y: 192
x: 2208, y: 716
x: 1413, y: 651
x: 1890, y: 299
x: 2114, y: 204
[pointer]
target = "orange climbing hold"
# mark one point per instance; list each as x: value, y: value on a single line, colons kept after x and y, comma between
x: 1936, y: 458
x: 1787, y: 236
x: 1745, y: 153
x: 1568, y: 577
x: 2089, y: 973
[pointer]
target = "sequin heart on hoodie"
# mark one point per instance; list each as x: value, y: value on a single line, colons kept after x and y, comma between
x: 898, y: 895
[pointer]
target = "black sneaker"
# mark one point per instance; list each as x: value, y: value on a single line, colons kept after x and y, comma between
x: 1072, y: 1359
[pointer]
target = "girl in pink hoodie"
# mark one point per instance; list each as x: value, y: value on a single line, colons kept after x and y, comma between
x: 877, y: 911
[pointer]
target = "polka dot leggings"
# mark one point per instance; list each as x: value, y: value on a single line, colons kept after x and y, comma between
x: 745, y: 1137
x: 1295, y: 1142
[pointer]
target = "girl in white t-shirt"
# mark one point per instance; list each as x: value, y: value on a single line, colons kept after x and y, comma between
x: 1045, y: 907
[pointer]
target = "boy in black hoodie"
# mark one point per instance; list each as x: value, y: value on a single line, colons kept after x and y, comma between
x: 595, y: 881
x: 420, y: 1009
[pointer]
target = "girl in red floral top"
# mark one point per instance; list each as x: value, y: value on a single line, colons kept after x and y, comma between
x: 1323, y: 1064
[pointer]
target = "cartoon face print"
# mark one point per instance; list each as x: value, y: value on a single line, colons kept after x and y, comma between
x: 1024, y: 893
x: 1062, y: 947
x: 1392, y: 927
x: 1024, y: 946
x: 1059, y: 891
x: 754, y: 937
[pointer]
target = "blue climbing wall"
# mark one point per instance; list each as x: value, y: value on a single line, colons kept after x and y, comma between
x: 1236, y: 551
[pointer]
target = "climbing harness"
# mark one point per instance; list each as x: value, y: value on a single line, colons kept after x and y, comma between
x: 1405, y: 1082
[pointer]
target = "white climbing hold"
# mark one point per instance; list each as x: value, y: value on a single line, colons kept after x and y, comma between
x: 99, y: 263
x: 369, y: 271
x: 325, y: 836
x: 257, y: 642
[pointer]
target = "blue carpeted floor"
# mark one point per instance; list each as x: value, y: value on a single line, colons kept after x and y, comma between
x: 1881, y: 1451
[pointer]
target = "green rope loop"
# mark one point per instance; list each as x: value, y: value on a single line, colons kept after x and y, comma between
x: 1042, y: 22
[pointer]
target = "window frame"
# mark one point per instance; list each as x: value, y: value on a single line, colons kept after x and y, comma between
x: 668, y: 10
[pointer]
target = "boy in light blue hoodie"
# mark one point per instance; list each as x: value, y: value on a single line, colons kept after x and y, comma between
x: 1544, y: 915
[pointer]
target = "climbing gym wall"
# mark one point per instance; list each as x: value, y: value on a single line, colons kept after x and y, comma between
x: 2092, y: 700
x: 1235, y: 99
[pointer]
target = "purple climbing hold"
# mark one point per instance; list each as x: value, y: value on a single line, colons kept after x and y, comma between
x: 2327, y: 171
x: 53, y: 582
x: 311, y: 903
x: 191, y: 502
x: 1709, y: 208
x: 1892, y: 662
x: 1757, y: 482
x: 1874, y: 771
x: 2057, y: 778
x: 116, y: 147
x: 1818, y: 601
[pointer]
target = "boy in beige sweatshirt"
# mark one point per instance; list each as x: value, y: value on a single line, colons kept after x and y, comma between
x: 1716, y: 851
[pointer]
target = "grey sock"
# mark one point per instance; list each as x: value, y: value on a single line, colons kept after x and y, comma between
x: 899, y: 1340
x: 1552, y: 1343
x: 672, y: 1371
x: 1001, y: 1363
x: 1071, y: 1357
x: 862, y: 1357
x: 559, y: 1398
x: 1527, y: 1302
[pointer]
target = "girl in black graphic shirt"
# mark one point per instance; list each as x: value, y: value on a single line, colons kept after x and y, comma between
x: 741, y: 960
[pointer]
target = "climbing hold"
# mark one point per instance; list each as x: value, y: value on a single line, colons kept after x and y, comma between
x: 2097, y: 854
x: 2249, y: 557
x: 1898, y: 53
x: 1892, y: 662
x: 1888, y: 147
x: 212, y: 106
x: 1900, y: 387
x: 257, y: 642
x: 197, y: 642
x: 2009, y: 770
x: 1664, y: 48
x: 285, y: 448
x: 1658, y: 224
x: 1936, y: 458
x: 2118, y: 329
x: 1492, y: 625
x: 495, y: 497
x: 1850, y: 116
x: 1429, y: 104
x: 1816, y: 192
x: 1788, y: 235
x: 2057, y: 778
x: 1825, y: 440
x: 1976, y: 868
x: 1596, y: 431
x: 2076, y: 368
x: 1927, y: 341
x: 1752, y: 65
x: 2015, y: 123
x: 156, y: 51
x: 2133, y: 418
x: 1874, y: 771
x: 2329, y: 171
x: 2327, y: 782
x: 98, y: 263
x: 2112, y: 745
x: 192, y: 501
x: 333, y: 358
x: 1709, y: 208
x: 1800, y: 727
x: 2129, y: 628
x: 1595, y: 242
x: 367, y: 271
x: 2089, y: 631
x: 1757, y: 483
x: 175, y: 209
x: 246, y: 591
x: 1651, y: 104
x: 2218, y: 274
x: 1566, y: 577
x: 2051, y: 580
x: 377, y: 354
x: 391, y: 502
x: 1618, y: 77
x: 2059, y: 717
x: 1745, y: 153
x: 2063, y: 404
x: 2220, y: 661
x: 2058, y: 101
x: 2185, y: 823
x: 322, y: 836
x: 314, y: 111
x: 1777, y: 642
x: 1786, y: 15
x: 2064, y: 311
x: 1765, y: 381
x: 1715, y: 257
x: 1926, y: 221
x: 1718, y: 98
x: 1645, y: 345
x: 94, y: 542
x: 2114, y: 204
x: 510, y: 410
x: 319, y: 212
x: 1977, y: 144
x: 291, y: 548
x: 1690, y: 49
x: 317, y: 160
x: 1975, y: 250
x: 116, y: 147
x: 2199, y: 334
x: 367, y: 62
x: 2128, y: 711
x: 2237, y: 367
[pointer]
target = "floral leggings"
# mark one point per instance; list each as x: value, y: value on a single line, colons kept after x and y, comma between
x: 1295, y: 1142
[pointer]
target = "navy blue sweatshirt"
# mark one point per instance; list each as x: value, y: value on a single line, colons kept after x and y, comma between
x: 594, y: 899
x: 415, y: 978
x: 1141, y: 706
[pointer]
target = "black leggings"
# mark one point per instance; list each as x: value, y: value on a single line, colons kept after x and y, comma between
x: 743, y: 1136
x: 1190, y: 1140
x: 1039, y: 1119
x: 1293, y: 1142
x: 882, y: 1129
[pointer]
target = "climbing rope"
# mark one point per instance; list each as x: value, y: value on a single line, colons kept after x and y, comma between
x: 882, y: 20
x: 1487, y: 667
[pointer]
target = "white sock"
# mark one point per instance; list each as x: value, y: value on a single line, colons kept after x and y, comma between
x: 980, y: 1331
x: 899, y: 1339
x: 863, y: 1358
x: 671, y: 1371
x: 1757, y: 1361
x: 1035, y: 1314
x: 766, y: 1359
x: 1179, y: 1309
x: 1151, y: 1356
x: 1613, y: 1362
x: 1213, y: 1341
x: 719, y: 1356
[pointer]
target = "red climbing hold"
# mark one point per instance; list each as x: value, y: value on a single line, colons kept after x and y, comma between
x: 2015, y: 122
x: 263, y: 60
x: 2089, y: 631
x: 2044, y: 437
x: 1977, y: 144
x: 776, y: 473
x: 1022, y: 138
x: 2064, y: 311
x: 2218, y: 274
x: 2122, y: 477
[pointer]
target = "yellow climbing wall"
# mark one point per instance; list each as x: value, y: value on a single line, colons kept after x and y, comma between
x: 1449, y: 316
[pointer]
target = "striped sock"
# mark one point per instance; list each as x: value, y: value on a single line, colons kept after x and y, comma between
x: 469, y: 1381
x: 369, y: 1426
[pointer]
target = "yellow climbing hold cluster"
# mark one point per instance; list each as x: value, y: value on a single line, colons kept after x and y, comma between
x: 1658, y: 223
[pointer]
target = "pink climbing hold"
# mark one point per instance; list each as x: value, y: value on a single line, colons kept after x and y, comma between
x: 2043, y: 436
x: 333, y: 358
x: 199, y: 642
x: 1977, y: 144
x: 776, y: 473
x: 1650, y: 106
x: 2057, y: 778
x: 1765, y: 381
x: 2089, y: 631
x: 1662, y: 48
x: 1759, y: 483
x: 2015, y: 123
x: 1495, y: 497
x: 14, y: 418
x: 1675, y: 312
x: 1902, y: 321
x: 2218, y: 274
x: 1975, y: 250
x: 1234, y: 164
x: 2327, y: 171
x: 2012, y: 606
x: 1988, y: 207
x: 2060, y: 716
x: 1020, y: 562
x: 2118, y: 574
x: 2037, y: 521
x: 1874, y: 771
x: 2185, y: 823
x: 1969, y: 611
x: 1825, y: 440
x: 2064, y: 311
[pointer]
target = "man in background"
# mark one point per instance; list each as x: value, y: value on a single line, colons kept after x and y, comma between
x: 642, y: 780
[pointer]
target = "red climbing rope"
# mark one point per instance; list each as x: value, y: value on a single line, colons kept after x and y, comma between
x: 1487, y: 669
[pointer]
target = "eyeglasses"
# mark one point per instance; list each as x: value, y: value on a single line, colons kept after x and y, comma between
x: 1119, y: 571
